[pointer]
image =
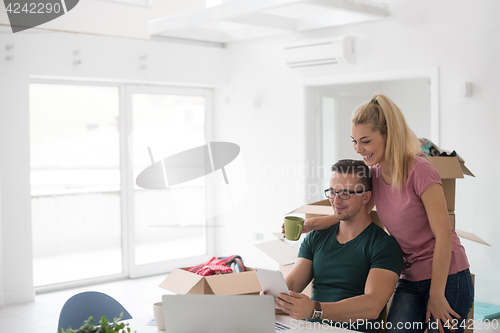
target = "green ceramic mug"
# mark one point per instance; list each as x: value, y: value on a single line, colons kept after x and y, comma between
x: 293, y: 227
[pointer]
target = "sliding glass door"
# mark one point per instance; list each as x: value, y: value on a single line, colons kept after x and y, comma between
x: 169, y: 219
x: 75, y: 182
x: 89, y: 143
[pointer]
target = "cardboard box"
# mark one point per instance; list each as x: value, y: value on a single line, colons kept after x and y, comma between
x: 451, y: 217
x: 285, y: 255
x: 449, y: 168
x: 182, y: 282
x: 464, y: 234
x: 316, y: 209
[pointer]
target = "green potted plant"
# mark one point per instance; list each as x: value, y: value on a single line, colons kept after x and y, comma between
x: 105, y: 326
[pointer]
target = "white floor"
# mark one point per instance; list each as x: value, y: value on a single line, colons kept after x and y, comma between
x: 136, y: 295
x: 41, y: 316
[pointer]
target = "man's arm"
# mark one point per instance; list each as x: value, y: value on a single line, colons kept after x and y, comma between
x: 379, y: 287
x: 300, y: 275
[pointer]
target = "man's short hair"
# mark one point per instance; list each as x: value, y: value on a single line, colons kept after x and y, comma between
x: 357, y: 168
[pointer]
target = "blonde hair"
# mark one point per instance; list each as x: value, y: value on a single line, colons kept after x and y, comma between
x: 402, y: 145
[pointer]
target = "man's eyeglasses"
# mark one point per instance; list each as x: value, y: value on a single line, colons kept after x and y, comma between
x: 344, y: 194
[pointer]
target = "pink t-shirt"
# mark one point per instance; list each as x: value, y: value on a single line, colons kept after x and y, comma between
x: 404, y: 216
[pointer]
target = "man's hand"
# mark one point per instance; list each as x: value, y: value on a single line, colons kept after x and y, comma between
x: 297, y: 305
x: 276, y: 310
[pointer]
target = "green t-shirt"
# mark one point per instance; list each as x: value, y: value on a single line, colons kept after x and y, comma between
x: 340, y: 270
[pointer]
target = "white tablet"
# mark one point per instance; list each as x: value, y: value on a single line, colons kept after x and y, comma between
x: 272, y: 282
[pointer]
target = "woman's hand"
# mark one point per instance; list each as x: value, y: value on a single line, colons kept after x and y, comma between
x: 440, y: 310
x: 308, y: 226
x: 316, y: 223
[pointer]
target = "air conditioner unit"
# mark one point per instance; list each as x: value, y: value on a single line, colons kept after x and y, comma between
x: 321, y: 53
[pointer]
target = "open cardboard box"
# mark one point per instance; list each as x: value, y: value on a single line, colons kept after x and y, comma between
x: 182, y: 282
x: 450, y: 168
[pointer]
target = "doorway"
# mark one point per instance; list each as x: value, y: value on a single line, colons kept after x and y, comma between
x: 330, y: 103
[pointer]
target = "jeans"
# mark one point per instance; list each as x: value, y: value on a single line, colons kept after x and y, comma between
x: 409, y: 304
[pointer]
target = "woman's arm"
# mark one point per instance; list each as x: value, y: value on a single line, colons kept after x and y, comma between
x: 325, y: 222
x: 319, y: 223
x: 315, y: 223
x: 435, y: 207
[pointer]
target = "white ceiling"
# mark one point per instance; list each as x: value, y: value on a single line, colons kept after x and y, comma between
x: 232, y: 21
x: 246, y: 19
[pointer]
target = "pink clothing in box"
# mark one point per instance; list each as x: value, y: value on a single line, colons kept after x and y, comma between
x: 404, y: 216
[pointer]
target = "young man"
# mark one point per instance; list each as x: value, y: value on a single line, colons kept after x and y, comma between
x: 355, y: 264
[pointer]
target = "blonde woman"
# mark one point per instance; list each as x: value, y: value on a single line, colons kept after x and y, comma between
x: 435, y: 286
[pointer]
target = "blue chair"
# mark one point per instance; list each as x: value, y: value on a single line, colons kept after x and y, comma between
x: 80, y: 307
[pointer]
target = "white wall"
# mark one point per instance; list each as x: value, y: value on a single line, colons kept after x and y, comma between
x: 413, y: 98
x: 458, y: 36
x: 51, y: 54
x: 262, y: 112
